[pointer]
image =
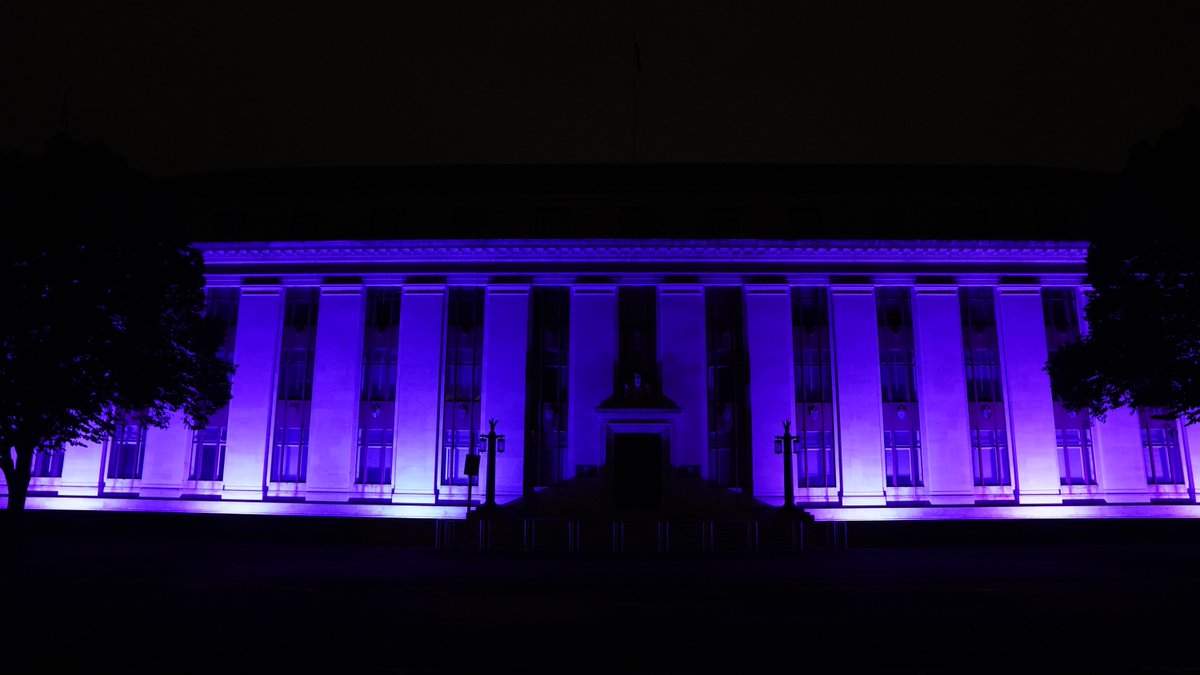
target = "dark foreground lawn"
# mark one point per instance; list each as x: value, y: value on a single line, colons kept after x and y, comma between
x: 114, y: 593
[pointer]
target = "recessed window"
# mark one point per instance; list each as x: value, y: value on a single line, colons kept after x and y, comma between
x: 546, y: 386
x: 47, y: 463
x: 1072, y: 429
x: 728, y: 388
x: 985, y: 400
x: 1160, y: 448
x: 208, y: 444
x: 898, y: 377
x: 208, y: 451
x: 814, y: 388
x: 463, y: 387
x: 289, y: 456
x: 377, y: 407
x: 127, y: 448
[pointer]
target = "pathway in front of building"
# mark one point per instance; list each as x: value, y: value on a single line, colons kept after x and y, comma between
x: 135, y: 604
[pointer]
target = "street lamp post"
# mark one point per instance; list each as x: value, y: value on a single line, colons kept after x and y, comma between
x: 495, y: 444
x: 783, y: 446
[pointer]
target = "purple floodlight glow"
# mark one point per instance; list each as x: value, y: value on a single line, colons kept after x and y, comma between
x: 370, y: 406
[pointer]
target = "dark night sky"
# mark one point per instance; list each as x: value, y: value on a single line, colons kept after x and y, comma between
x: 179, y: 89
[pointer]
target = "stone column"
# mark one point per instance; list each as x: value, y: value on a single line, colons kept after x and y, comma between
x: 772, y: 392
x: 256, y: 356
x: 337, y: 373
x: 857, y: 391
x: 942, y: 396
x: 164, y: 466
x: 81, y: 470
x: 1022, y: 331
x: 681, y: 350
x: 1190, y: 447
x: 1120, y: 466
x: 419, y: 387
x: 593, y: 354
x: 505, y: 345
x: 1117, y: 446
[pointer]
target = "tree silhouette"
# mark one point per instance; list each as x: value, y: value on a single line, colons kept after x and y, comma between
x: 103, y: 309
x: 1143, y: 344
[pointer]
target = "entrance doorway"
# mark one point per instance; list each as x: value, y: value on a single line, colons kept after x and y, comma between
x: 637, y: 466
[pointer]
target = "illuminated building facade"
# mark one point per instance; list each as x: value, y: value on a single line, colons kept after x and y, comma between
x: 635, y: 376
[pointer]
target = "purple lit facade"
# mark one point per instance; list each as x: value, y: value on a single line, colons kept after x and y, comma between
x: 642, y: 375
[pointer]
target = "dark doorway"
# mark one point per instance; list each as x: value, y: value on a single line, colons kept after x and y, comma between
x: 637, y: 471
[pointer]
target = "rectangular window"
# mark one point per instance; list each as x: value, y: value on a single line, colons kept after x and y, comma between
x: 463, y: 384
x: 377, y: 407
x: 1075, y: 456
x: 208, y: 451
x: 898, y: 380
x: 1160, y: 448
x: 985, y: 401
x: 222, y: 304
x: 208, y: 444
x: 546, y: 397
x: 47, y: 463
x: 728, y: 388
x: 374, y: 456
x: 289, y: 457
x: 637, y: 342
x: 989, y: 455
x: 1073, y: 430
x: 814, y: 388
x: 1061, y: 316
x: 901, y: 449
x: 127, y: 449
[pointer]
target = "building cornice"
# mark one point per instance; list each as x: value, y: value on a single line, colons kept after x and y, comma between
x: 649, y: 250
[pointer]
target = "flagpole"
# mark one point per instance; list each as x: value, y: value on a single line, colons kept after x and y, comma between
x: 637, y: 71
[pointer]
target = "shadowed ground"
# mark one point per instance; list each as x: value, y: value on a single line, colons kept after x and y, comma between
x: 176, y: 593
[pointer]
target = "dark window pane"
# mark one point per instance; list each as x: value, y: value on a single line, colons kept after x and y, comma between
x: 728, y: 388
x: 814, y: 388
x: 463, y: 384
x: 546, y: 397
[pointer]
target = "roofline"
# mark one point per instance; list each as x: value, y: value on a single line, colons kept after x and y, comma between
x: 644, y: 250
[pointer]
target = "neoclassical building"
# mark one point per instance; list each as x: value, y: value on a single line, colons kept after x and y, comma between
x: 642, y: 376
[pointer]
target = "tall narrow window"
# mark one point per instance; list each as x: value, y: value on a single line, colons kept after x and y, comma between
x: 897, y: 364
x: 1072, y: 430
x: 1160, y: 448
x: 289, y: 457
x: 463, y: 384
x: 637, y: 342
x: 985, y: 402
x: 546, y: 398
x: 208, y: 449
x: 814, y: 388
x: 127, y: 448
x: 377, y: 409
x: 208, y: 444
x: 47, y: 463
x: 728, y: 388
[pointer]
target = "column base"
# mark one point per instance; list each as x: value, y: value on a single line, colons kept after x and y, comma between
x: 952, y: 499
x: 1039, y: 497
x: 1122, y: 497
x: 79, y: 490
x: 421, y: 497
x: 160, y: 492
x: 341, y: 495
x: 245, y: 494
x: 506, y: 496
x: 770, y: 500
x: 864, y: 499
